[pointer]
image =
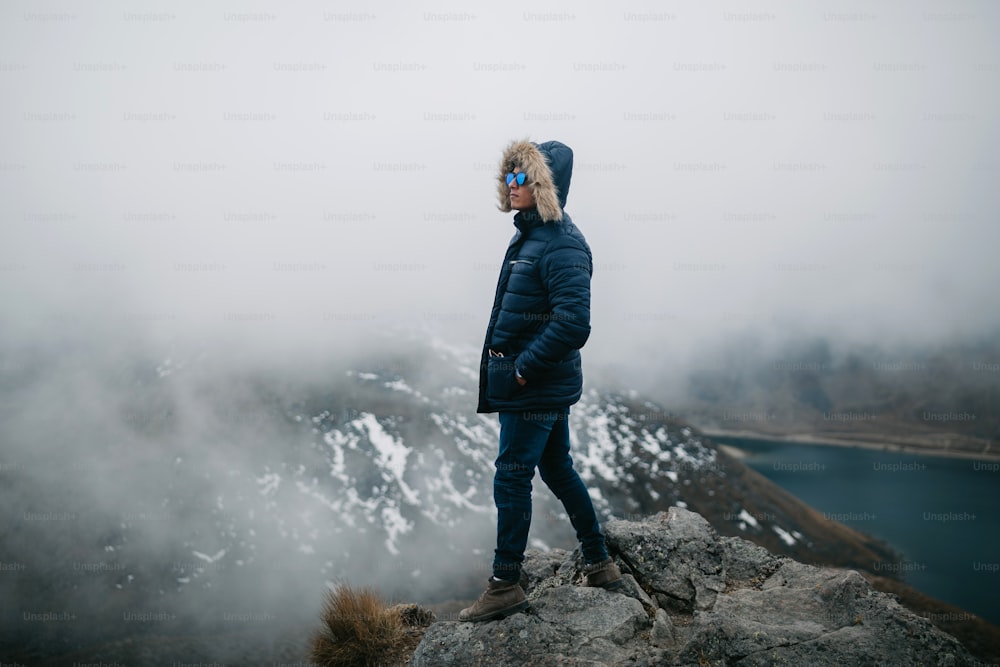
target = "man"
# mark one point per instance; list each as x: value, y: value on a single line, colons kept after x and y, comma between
x: 530, y: 370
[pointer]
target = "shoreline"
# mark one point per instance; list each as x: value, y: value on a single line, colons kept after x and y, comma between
x: 859, y: 442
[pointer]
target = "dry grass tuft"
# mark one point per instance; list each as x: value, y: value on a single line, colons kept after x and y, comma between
x: 360, y: 630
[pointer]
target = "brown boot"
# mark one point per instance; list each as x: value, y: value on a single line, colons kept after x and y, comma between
x: 605, y: 574
x: 501, y: 599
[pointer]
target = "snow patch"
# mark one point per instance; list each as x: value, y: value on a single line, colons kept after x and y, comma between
x: 749, y: 518
x: 210, y: 559
x: 600, y: 451
x: 392, y: 453
x: 395, y: 525
x: 400, y: 385
x: 784, y: 535
x: 269, y: 482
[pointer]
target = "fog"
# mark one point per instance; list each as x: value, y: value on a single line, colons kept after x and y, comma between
x: 269, y: 186
x: 244, y: 172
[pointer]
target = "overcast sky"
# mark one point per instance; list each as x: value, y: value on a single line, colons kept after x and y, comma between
x: 281, y: 173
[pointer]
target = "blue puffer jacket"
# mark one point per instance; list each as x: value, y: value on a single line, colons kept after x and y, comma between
x: 541, y: 312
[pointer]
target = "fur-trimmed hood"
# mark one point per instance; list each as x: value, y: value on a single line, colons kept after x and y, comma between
x: 549, y: 167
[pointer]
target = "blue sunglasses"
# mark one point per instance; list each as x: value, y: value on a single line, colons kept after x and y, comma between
x: 520, y: 178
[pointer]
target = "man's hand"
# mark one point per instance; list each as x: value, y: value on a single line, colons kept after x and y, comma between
x: 520, y: 380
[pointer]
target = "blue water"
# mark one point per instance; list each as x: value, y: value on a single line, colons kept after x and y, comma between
x: 941, y: 514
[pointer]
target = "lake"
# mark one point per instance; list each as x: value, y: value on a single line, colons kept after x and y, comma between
x: 941, y: 514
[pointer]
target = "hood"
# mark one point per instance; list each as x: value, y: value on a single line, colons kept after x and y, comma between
x: 549, y: 167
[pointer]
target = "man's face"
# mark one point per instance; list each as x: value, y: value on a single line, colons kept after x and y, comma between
x: 522, y: 197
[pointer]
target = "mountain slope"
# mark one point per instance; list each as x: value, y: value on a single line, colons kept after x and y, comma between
x: 209, y: 497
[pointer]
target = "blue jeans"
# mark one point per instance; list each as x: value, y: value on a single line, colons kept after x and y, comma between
x: 529, y: 440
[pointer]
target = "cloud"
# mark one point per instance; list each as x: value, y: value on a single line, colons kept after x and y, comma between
x: 291, y: 175
x: 273, y: 186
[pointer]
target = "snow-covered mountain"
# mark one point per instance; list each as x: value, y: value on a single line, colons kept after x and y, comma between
x: 185, y: 496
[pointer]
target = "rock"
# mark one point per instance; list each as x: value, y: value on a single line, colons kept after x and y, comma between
x: 592, y: 613
x: 681, y: 562
x: 808, y: 615
x: 541, y: 565
x: 631, y: 588
x: 693, y: 598
x: 746, y: 563
x: 663, y: 629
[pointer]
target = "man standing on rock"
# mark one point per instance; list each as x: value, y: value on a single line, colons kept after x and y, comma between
x: 530, y: 369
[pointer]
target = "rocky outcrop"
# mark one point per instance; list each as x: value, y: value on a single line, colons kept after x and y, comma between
x: 693, y: 598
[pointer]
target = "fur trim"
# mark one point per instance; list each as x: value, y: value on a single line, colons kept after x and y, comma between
x: 526, y: 155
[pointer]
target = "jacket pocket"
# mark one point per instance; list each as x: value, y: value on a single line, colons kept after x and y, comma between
x: 500, y: 380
